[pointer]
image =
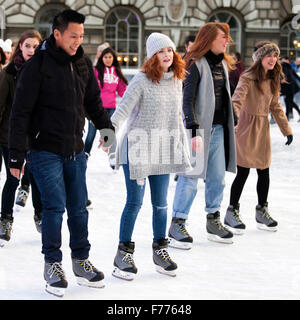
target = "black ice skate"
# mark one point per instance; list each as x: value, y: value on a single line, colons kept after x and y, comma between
x: 178, y: 236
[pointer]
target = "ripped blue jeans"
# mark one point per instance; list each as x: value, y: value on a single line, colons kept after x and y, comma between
x: 135, y: 193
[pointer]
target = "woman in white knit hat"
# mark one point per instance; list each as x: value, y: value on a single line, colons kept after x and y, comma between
x: 156, y: 143
x: 7, y: 48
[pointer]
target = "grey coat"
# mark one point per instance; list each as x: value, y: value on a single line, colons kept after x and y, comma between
x: 204, y: 109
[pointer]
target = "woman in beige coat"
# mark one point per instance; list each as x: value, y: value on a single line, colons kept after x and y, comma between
x: 256, y: 95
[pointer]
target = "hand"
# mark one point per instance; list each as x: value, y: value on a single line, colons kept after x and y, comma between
x: 197, y: 144
x: 101, y: 143
x: 15, y: 172
x: 289, y: 139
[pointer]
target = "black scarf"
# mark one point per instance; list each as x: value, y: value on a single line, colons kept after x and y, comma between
x: 213, y: 58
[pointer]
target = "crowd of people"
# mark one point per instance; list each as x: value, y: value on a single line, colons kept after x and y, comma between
x: 195, y: 117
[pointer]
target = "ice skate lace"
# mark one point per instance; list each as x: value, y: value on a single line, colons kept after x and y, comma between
x: 128, y: 258
x: 87, y: 265
x: 6, y: 226
x: 22, y: 195
x: 163, y: 253
x: 183, y: 230
x: 219, y: 225
x: 266, y: 214
x: 237, y: 216
x: 56, y: 269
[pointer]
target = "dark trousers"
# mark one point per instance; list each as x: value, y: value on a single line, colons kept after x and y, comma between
x: 262, y: 187
x: 62, y: 184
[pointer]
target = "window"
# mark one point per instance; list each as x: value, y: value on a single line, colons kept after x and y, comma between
x: 235, y: 28
x: 45, y: 18
x: 2, y: 21
x: 123, y: 32
x: 289, y: 41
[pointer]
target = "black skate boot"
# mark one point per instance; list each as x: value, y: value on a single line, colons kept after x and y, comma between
x: 124, y: 264
x: 164, y: 264
x: 86, y: 274
x: 178, y: 236
x: 233, y: 220
x: 215, y: 230
x: 23, y: 193
x: 5, y: 229
x: 56, y: 282
x: 263, y: 218
x: 38, y: 221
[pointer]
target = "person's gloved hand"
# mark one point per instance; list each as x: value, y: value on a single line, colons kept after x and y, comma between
x: 289, y: 139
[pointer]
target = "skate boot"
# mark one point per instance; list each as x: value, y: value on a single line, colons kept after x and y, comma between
x: 38, y: 221
x: 215, y: 230
x: 22, y: 196
x: 161, y: 258
x: 86, y: 274
x: 55, y: 279
x: 264, y: 220
x: 178, y: 236
x: 112, y: 160
x: 124, y: 264
x: 5, y: 229
x: 233, y: 220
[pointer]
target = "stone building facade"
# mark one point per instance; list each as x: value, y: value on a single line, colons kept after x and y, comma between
x: 126, y: 24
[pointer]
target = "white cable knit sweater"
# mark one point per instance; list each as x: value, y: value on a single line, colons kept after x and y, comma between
x: 157, y: 142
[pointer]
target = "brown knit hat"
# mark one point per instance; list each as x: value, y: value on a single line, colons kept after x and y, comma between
x: 263, y: 50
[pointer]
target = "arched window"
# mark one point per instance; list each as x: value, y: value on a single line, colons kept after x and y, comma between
x: 2, y: 21
x: 123, y: 32
x: 235, y: 28
x: 45, y: 18
x: 289, y: 41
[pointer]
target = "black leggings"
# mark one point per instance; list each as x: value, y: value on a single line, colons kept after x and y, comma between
x: 262, y: 186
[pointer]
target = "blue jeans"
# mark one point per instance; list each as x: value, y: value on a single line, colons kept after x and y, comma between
x: 135, y: 193
x: 186, y: 188
x: 62, y: 184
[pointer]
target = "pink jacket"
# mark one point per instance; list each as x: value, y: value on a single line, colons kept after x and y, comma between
x: 112, y: 85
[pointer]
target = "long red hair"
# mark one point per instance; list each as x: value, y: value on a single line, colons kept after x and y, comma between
x: 153, y: 70
x: 203, y: 41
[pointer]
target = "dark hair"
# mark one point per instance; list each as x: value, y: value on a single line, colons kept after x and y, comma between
x: 31, y: 33
x: 100, y: 66
x: 62, y: 20
x: 2, y: 56
x: 238, y: 56
x: 189, y: 39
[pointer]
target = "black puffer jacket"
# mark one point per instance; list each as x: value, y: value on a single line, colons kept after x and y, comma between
x: 53, y: 94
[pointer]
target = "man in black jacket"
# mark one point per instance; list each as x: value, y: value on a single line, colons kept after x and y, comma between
x: 55, y: 90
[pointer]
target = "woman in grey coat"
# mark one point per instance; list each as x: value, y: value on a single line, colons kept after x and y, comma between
x: 208, y: 113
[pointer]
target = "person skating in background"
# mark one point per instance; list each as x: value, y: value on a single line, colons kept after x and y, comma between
x: 112, y: 82
x: 208, y: 113
x: 256, y: 95
x: 28, y: 42
x: 7, y: 49
x: 152, y: 106
x: 58, y: 88
x: 289, y: 87
x: 235, y: 74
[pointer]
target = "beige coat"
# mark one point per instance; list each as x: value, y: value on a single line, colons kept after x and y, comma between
x: 253, y: 142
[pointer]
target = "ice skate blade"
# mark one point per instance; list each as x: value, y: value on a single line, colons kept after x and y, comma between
x: 235, y: 231
x: 166, y: 272
x: 2, y: 243
x: 215, y: 238
x: 261, y: 226
x: 118, y: 273
x: 56, y: 291
x: 86, y: 283
x: 179, y: 244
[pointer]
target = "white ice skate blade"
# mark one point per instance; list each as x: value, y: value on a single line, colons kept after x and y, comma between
x: 179, y: 244
x: 166, y: 272
x: 215, y: 238
x: 235, y: 231
x: 118, y: 273
x: 2, y: 243
x: 86, y: 283
x: 56, y: 291
x: 261, y: 226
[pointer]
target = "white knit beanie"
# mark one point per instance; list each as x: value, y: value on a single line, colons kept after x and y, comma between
x: 157, y: 41
x: 6, y: 45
